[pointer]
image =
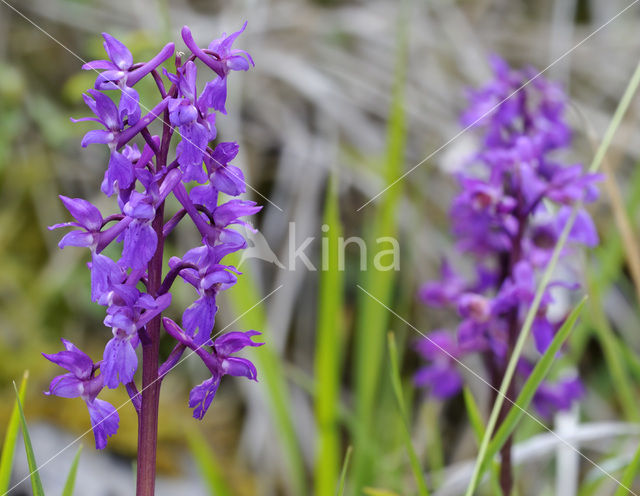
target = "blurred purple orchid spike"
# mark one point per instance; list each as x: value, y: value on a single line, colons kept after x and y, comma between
x: 514, y: 201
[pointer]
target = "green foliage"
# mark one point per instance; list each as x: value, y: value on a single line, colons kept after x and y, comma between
x: 397, y: 388
x: 10, y: 438
x: 328, y: 355
x: 373, y: 316
x: 246, y: 301
x: 36, y: 483
x: 208, y: 465
x: 71, y: 477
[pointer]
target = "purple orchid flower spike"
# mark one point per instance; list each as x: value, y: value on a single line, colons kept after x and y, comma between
x: 82, y: 382
x: 131, y: 282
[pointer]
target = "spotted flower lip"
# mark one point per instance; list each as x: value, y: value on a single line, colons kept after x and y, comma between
x: 513, y: 203
x: 146, y: 172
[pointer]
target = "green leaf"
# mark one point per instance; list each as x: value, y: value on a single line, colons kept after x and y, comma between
x: 245, y: 298
x: 475, y: 417
x: 328, y: 354
x: 613, y: 355
x: 10, y: 438
x: 418, y: 473
x: 624, y: 486
x: 71, y: 477
x: 372, y: 323
x: 36, y: 483
x: 343, y: 472
x: 538, y: 374
x: 208, y: 464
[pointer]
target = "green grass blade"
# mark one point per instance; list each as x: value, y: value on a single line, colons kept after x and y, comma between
x: 36, y: 483
x: 343, y: 472
x: 616, y: 120
x: 328, y: 355
x: 10, y: 438
x: 373, y: 317
x: 71, y: 477
x: 613, y: 355
x: 397, y: 389
x: 538, y: 374
x: 243, y: 297
x: 473, y: 412
x: 208, y: 464
x: 629, y: 475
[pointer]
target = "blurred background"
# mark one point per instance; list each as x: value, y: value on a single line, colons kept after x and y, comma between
x: 320, y: 102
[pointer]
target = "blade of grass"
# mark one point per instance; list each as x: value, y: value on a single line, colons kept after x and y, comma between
x: 271, y: 371
x: 10, y: 438
x: 36, y: 483
x: 328, y: 354
x: 418, y: 474
x: 435, y: 449
x: 343, y: 472
x: 610, y: 257
x: 372, y: 317
x: 208, y: 464
x: 530, y: 387
x: 613, y: 354
x: 629, y: 475
x: 473, y: 412
x: 71, y: 477
x: 546, y: 277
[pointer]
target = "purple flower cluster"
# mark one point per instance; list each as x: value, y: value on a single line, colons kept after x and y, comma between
x: 515, y: 198
x: 134, y: 290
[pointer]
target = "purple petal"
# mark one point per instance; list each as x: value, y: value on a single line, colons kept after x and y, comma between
x: 65, y: 386
x: 543, y: 333
x: 140, y: 242
x: 118, y: 53
x: 200, y: 316
x: 97, y: 136
x: 84, y: 212
x: 139, y: 206
x: 201, y: 396
x: 140, y: 72
x: 187, y: 83
x: 214, y: 96
x: 129, y: 105
x: 77, y: 362
x: 119, y: 362
x: 104, y: 421
x: 120, y: 172
x: 239, y: 367
x: 106, y: 111
x: 204, y: 195
x: 232, y: 342
x: 228, y: 179
x: 215, y: 65
x: 104, y: 273
x: 230, y: 211
x: 77, y: 238
x: 225, y: 152
x: 95, y: 65
x: 443, y: 380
